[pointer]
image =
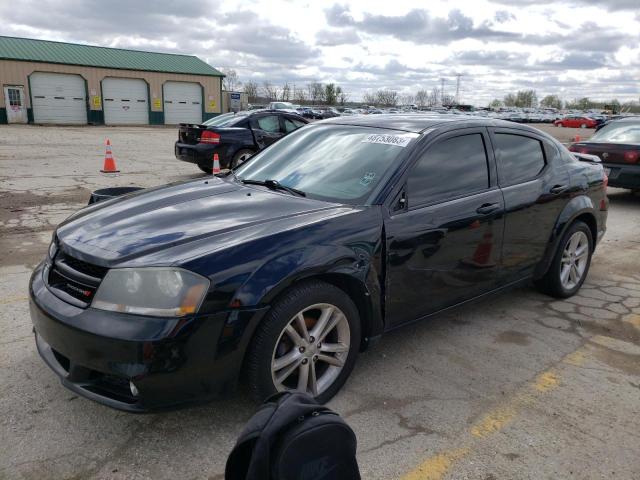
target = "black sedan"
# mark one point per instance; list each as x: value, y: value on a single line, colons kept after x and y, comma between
x: 618, y: 145
x: 235, y: 137
x: 288, y: 267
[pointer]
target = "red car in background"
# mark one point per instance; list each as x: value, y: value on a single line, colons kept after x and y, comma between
x: 576, y: 121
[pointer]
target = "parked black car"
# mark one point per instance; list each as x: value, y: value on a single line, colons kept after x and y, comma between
x: 288, y: 267
x: 233, y: 136
x: 310, y: 113
x: 618, y: 145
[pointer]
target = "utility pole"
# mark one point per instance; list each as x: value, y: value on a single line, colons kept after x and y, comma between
x: 458, y: 76
x: 442, y: 92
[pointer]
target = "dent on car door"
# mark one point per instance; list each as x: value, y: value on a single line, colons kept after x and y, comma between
x: 266, y: 130
x: 536, y: 186
x: 445, y: 246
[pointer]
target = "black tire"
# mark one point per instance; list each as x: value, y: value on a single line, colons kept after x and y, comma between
x: 263, y: 344
x: 551, y: 283
x: 207, y: 170
x: 238, y: 160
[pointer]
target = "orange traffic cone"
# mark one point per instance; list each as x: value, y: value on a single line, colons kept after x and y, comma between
x: 577, y: 139
x: 109, y: 161
x: 216, y: 164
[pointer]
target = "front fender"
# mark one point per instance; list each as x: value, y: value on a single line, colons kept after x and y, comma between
x: 577, y: 206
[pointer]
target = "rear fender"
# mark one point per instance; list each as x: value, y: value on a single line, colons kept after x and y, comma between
x: 578, y: 206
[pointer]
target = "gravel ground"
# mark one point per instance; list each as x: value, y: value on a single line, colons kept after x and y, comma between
x: 516, y: 387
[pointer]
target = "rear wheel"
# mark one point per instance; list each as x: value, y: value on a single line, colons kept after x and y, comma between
x: 583, y: 125
x: 570, y: 264
x: 308, y: 342
x: 240, y: 157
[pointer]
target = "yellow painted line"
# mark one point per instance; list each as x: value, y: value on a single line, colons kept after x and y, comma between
x: 437, y: 466
x: 547, y: 381
x: 493, y: 422
x: 434, y: 468
x: 633, y: 319
x: 15, y: 299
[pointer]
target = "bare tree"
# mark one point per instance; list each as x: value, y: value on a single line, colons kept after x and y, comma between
x: 407, y: 99
x: 422, y: 98
x: 370, y: 98
x: 251, y: 89
x: 387, y: 97
x: 230, y: 82
x: 343, y: 97
x: 316, y: 92
x: 285, y: 93
x: 269, y: 91
x: 300, y: 96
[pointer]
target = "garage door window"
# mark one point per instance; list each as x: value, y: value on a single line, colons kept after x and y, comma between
x: 269, y: 124
x: 520, y: 158
x: 450, y: 168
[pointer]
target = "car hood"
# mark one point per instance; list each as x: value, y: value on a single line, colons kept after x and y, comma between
x: 152, y: 220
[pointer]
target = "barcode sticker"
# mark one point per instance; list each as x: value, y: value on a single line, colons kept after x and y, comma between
x: 397, y: 140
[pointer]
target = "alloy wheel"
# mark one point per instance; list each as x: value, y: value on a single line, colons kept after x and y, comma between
x: 574, y: 260
x: 312, y: 350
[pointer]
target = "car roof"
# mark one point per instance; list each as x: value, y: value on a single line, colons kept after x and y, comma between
x: 418, y: 123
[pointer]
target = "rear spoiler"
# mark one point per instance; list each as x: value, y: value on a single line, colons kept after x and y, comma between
x: 586, y: 157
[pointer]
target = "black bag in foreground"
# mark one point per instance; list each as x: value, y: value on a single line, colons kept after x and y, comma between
x: 291, y: 437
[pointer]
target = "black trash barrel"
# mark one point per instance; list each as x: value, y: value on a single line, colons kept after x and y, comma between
x: 107, y: 193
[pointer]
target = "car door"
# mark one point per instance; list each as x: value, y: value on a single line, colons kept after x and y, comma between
x: 536, y: 188
x: 444, y: 231
x: 266, y: 129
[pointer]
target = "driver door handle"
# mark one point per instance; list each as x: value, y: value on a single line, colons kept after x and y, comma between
x: 558, y: 189
x: 486, y: 208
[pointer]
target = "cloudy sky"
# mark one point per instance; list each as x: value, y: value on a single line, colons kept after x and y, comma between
x: 572, y: 48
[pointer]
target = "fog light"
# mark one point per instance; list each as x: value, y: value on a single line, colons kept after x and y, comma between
x: 134, y: 389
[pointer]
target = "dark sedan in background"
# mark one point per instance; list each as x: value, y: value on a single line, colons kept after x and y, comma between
x: 235, y: 137
x: 618, y: 145
x: 289, y: 266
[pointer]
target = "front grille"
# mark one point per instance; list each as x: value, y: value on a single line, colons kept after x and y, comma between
x: 73, y: 280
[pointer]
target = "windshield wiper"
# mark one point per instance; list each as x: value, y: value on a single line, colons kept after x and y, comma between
x: 275, y: 185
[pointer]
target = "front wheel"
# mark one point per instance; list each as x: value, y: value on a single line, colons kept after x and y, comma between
x: 307, y: 342
x: 570, y: 264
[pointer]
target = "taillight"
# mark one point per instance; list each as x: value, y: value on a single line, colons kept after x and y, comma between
x: 631, y: 156
x: 572, y: 148
x: 209, y: 137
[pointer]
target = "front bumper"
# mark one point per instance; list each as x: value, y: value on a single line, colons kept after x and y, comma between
x: 623, y: 175
x: 170, y: 361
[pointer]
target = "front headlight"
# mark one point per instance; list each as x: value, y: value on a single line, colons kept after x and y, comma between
x: 153, y: 291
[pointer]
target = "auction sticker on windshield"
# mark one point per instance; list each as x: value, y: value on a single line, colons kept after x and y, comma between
x: 397, y: 140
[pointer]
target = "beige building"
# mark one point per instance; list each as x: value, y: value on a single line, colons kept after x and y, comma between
x: 63, y: 83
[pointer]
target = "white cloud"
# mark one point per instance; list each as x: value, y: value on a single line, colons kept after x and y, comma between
x: 500, y: 45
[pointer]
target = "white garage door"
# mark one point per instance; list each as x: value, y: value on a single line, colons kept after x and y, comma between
x: 58, y: 98
x: 182, y: 102
x: 125, y: 100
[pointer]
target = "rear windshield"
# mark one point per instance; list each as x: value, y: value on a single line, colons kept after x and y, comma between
x: 330, y: 162
x: 623, y: 132
x: 225, y: 120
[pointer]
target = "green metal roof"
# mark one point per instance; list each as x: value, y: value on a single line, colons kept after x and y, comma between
x: 31, y: 50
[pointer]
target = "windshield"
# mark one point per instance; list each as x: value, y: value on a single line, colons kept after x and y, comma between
x: 623, y: 132
x: 330, y: 162
x: 224, y: 120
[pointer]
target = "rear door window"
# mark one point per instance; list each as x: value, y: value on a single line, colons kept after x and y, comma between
x: 290, y: 124
x: 451, y: 168
x: 520, y: 158
x: 269, y: 123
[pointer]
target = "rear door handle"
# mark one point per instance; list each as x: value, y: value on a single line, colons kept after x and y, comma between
x: 557, y: 189
x: 487, y: 208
